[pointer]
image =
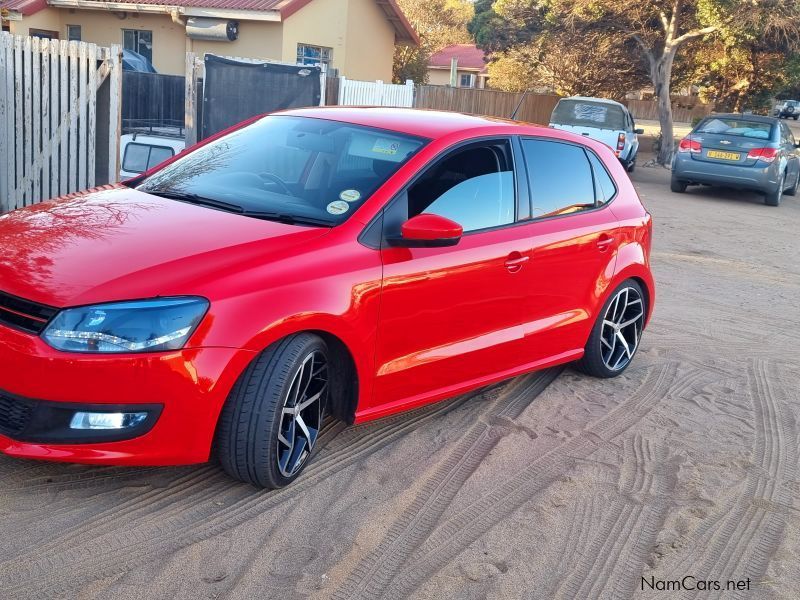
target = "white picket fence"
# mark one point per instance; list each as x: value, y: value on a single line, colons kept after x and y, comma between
x: 375, y: 93
x: 55, y: 136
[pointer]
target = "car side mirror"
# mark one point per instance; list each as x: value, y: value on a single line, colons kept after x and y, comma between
x: 638, y: 131
x: 428, y: 231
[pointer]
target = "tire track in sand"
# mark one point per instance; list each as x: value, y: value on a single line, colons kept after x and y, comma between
x: 415, y: 524
x: 467, y: 525
x: 744, y: 540
x: 48, y: 569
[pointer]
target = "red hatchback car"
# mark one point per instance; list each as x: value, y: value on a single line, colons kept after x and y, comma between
x: 359, y: 261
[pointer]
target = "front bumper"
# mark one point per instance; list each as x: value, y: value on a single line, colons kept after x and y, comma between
x: 762, y: 179
x: 184, y: 390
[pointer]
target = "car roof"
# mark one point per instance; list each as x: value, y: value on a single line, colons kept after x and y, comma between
x: 413, y: 121
x: 740, y: 116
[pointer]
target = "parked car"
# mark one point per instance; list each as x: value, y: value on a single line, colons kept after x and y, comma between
x: 143, y: 150
x: 788, y: 109
x: 739, y: 151
x: 603, y: 120
x: 359, y: 261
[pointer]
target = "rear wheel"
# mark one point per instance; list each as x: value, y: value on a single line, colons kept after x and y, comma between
x: 270, y: 423
x: 793, y: 190
x: 677, y: 185
x: 774, y: 198
x: 632, y: 164
x: 616, y: 333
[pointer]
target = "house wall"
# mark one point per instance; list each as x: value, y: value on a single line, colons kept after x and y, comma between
x: 318, y: 23
x: 442, y: 77
x: 49, y: 19
x: 370, y: 42
x: 257, y: 39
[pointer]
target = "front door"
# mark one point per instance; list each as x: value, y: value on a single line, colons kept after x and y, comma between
x: 454, y: 316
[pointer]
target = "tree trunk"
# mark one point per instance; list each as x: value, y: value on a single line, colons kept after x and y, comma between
x: 661, y: 75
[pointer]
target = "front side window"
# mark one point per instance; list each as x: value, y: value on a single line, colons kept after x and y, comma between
x: 313, y: 55
x: 560, y: 178
x: 473, y: 187
x: 139, y: 41
x: 288, y: 168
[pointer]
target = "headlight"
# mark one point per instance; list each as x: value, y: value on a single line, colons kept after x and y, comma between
x: 139, y: 326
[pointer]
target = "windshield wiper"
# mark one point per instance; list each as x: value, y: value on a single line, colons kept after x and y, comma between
x: 286, y: 218
x: 201, y: 200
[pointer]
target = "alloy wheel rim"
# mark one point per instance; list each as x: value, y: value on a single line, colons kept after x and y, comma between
x: 622, y: 329
x: 302, y: 412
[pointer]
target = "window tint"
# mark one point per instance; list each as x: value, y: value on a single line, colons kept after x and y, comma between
x: 604, y: 185
x: 159, y: 154
x: 135, y: 159
x: 473, y: 187
x: 141, y: 157
x: 560, y: 178
x: 588, y: 113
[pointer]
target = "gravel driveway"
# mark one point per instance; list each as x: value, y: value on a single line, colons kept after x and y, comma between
x: 552, y: 485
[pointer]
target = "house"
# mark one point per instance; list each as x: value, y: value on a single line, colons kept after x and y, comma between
x: 355, y: 37
x: 470, y: 66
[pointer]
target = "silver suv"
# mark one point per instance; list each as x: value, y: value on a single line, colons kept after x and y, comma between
x: 788, y: 109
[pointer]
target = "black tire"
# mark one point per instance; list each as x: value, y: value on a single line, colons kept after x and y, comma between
x: 632, y: 164
x: 248, y: 443
x: 774, y: 198
x: 795, y: 117
x: 677, y: 185
x: 593, y: 363
x: 792, y: 191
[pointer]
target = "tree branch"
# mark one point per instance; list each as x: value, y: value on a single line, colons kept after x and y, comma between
x: 693, y: 34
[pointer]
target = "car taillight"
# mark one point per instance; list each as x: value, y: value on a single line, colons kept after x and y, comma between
x: 765, y: 154
x: 690, y: 145
x: 620, y: 143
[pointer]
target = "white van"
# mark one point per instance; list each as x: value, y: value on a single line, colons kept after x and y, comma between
x: 603, y: 120
x: 140, y: 152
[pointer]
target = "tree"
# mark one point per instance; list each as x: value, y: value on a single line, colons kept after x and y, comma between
x: 599, y: 66
x: 439, y: 23
x: 659, y: 30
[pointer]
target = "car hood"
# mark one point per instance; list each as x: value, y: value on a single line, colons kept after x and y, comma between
x: 120, y: 244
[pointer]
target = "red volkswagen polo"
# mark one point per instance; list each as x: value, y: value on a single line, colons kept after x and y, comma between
x: 359, y: 261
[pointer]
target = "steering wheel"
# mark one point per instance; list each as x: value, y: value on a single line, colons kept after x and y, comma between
x: 275, y: 179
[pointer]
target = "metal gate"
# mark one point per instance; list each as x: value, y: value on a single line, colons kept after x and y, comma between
x: 59, y: 118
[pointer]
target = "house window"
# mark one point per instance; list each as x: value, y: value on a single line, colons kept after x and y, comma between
x: 138, y: 40
x: 467, y: 80
x: 43, y: 33
x: 313, y: 55
x: 74, y: 33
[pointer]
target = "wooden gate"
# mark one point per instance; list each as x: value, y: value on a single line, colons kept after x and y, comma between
x: 59, y: 118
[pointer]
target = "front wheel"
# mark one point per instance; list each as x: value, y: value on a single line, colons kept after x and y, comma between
x: 270, y: 423
x: 615, y: 336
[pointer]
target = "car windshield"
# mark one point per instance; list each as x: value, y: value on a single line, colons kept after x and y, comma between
x: 586, y: 113
x: 742, y: 127
x: 296, y: 169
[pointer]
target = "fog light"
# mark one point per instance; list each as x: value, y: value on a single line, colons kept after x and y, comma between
x: 98, y: 420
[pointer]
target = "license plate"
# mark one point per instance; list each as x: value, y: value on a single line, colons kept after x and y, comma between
x: 723, y: 155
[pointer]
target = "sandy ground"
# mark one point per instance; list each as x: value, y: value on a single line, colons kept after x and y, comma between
x: 552, y: 485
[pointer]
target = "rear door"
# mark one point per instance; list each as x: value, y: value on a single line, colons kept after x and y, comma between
x: 574, y: 236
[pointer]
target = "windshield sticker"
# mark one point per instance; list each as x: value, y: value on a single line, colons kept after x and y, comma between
x: 383, y: 146
x: 350, y: 195
x: 338, y: 207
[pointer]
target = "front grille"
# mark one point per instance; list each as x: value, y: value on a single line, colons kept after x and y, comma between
x: 24, y: 314
x: 15, y: 414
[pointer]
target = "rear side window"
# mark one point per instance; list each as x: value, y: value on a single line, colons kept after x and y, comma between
x: 560, y: 178
x: 141, y: 157
x: 604, y: 185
